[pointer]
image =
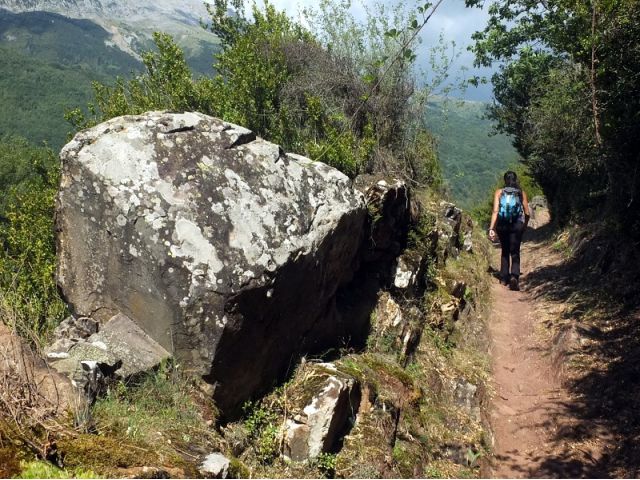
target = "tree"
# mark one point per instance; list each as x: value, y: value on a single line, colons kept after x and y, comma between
x: 566, y: 93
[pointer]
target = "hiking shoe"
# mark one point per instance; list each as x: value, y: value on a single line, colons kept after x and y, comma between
x: 513, y: 284
x: 504, y: 281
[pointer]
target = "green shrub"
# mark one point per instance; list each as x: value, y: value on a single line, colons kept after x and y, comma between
x: 262, y: 424
x: 351, y: 108
x: 326, y: 464
x: 28, y: 292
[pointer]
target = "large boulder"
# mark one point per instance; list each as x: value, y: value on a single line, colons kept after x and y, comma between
x: 539, y: 210
x: 225, y: 250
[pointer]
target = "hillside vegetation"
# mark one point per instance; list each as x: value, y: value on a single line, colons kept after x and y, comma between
x: 49, y: 63
x: 473, y: 157
x: 352, y: 105
x: 566, y: 91
x: 35, y: 96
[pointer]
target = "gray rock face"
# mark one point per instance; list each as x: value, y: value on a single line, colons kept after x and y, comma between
x: 215, y: 465
x: 394, y: 329
x: 407, y: 271
x: 538, y: 202
x: 539, y: 210
x: 454, y: 229
x: 317, y: 428
x: 467, y: 245
x: 70, y: 331
x: 222, y: 248
x: 448, y: 230
x: 128, y: 343
x: 390, y: 206
x: 120, y: 349
x: 465, y: 395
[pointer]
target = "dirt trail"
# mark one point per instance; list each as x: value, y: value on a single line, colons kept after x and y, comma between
x: 530, y: 408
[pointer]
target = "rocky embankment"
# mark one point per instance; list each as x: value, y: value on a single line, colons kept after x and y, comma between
x: 181, y: 236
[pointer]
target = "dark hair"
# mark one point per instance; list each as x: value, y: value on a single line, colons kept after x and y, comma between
x: 511, y: 180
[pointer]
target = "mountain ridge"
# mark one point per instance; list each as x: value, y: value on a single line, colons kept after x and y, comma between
x: 118, y: 9
x: 131, y: 25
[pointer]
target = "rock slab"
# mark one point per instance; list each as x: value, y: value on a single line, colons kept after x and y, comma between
x: 222, y: 248
x: 121, y: 349
x: 318, y: 427
x: 215, y: 465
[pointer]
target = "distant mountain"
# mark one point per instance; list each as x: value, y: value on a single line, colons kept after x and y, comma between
x: 113, y: 9
x: 130, y: 24
x: 52, y: 50
x: 48, y: 64
x: 56, y: 39
x: 472, y: 160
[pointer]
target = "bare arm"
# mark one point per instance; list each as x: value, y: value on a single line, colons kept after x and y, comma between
x: 494, y: 213
x: 525, y: 206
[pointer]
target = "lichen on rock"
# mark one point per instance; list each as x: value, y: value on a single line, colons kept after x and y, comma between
x: 224, y: 249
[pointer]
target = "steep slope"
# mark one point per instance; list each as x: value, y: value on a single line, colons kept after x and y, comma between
x: 471, y: 158
x: 49, y: 62
x: 131, y: 24
x: 50, y: 59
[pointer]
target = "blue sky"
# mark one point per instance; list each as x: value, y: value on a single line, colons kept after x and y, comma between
x: 452, y: 19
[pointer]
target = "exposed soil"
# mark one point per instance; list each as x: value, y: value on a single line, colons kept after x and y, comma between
x: 537, y: 431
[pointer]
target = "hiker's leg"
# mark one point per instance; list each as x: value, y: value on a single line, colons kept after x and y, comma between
x: 515, y: 239
x: 503, y: 235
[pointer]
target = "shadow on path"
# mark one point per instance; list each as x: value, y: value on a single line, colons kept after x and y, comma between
x: 600, y: 286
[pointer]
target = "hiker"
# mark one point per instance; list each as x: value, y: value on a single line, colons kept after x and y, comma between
x: 509, y: 220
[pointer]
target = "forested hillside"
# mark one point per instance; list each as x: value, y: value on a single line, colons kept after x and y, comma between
x: 473, y: 157
x: 567, y: 92
x: 49, y: 63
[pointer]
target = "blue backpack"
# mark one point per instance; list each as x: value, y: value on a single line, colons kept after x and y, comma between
x: 510, y: 209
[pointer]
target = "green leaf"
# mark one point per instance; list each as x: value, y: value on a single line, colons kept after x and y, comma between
x: 393, y: 33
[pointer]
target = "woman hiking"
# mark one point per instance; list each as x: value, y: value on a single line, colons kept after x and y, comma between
x: 509, y: 220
